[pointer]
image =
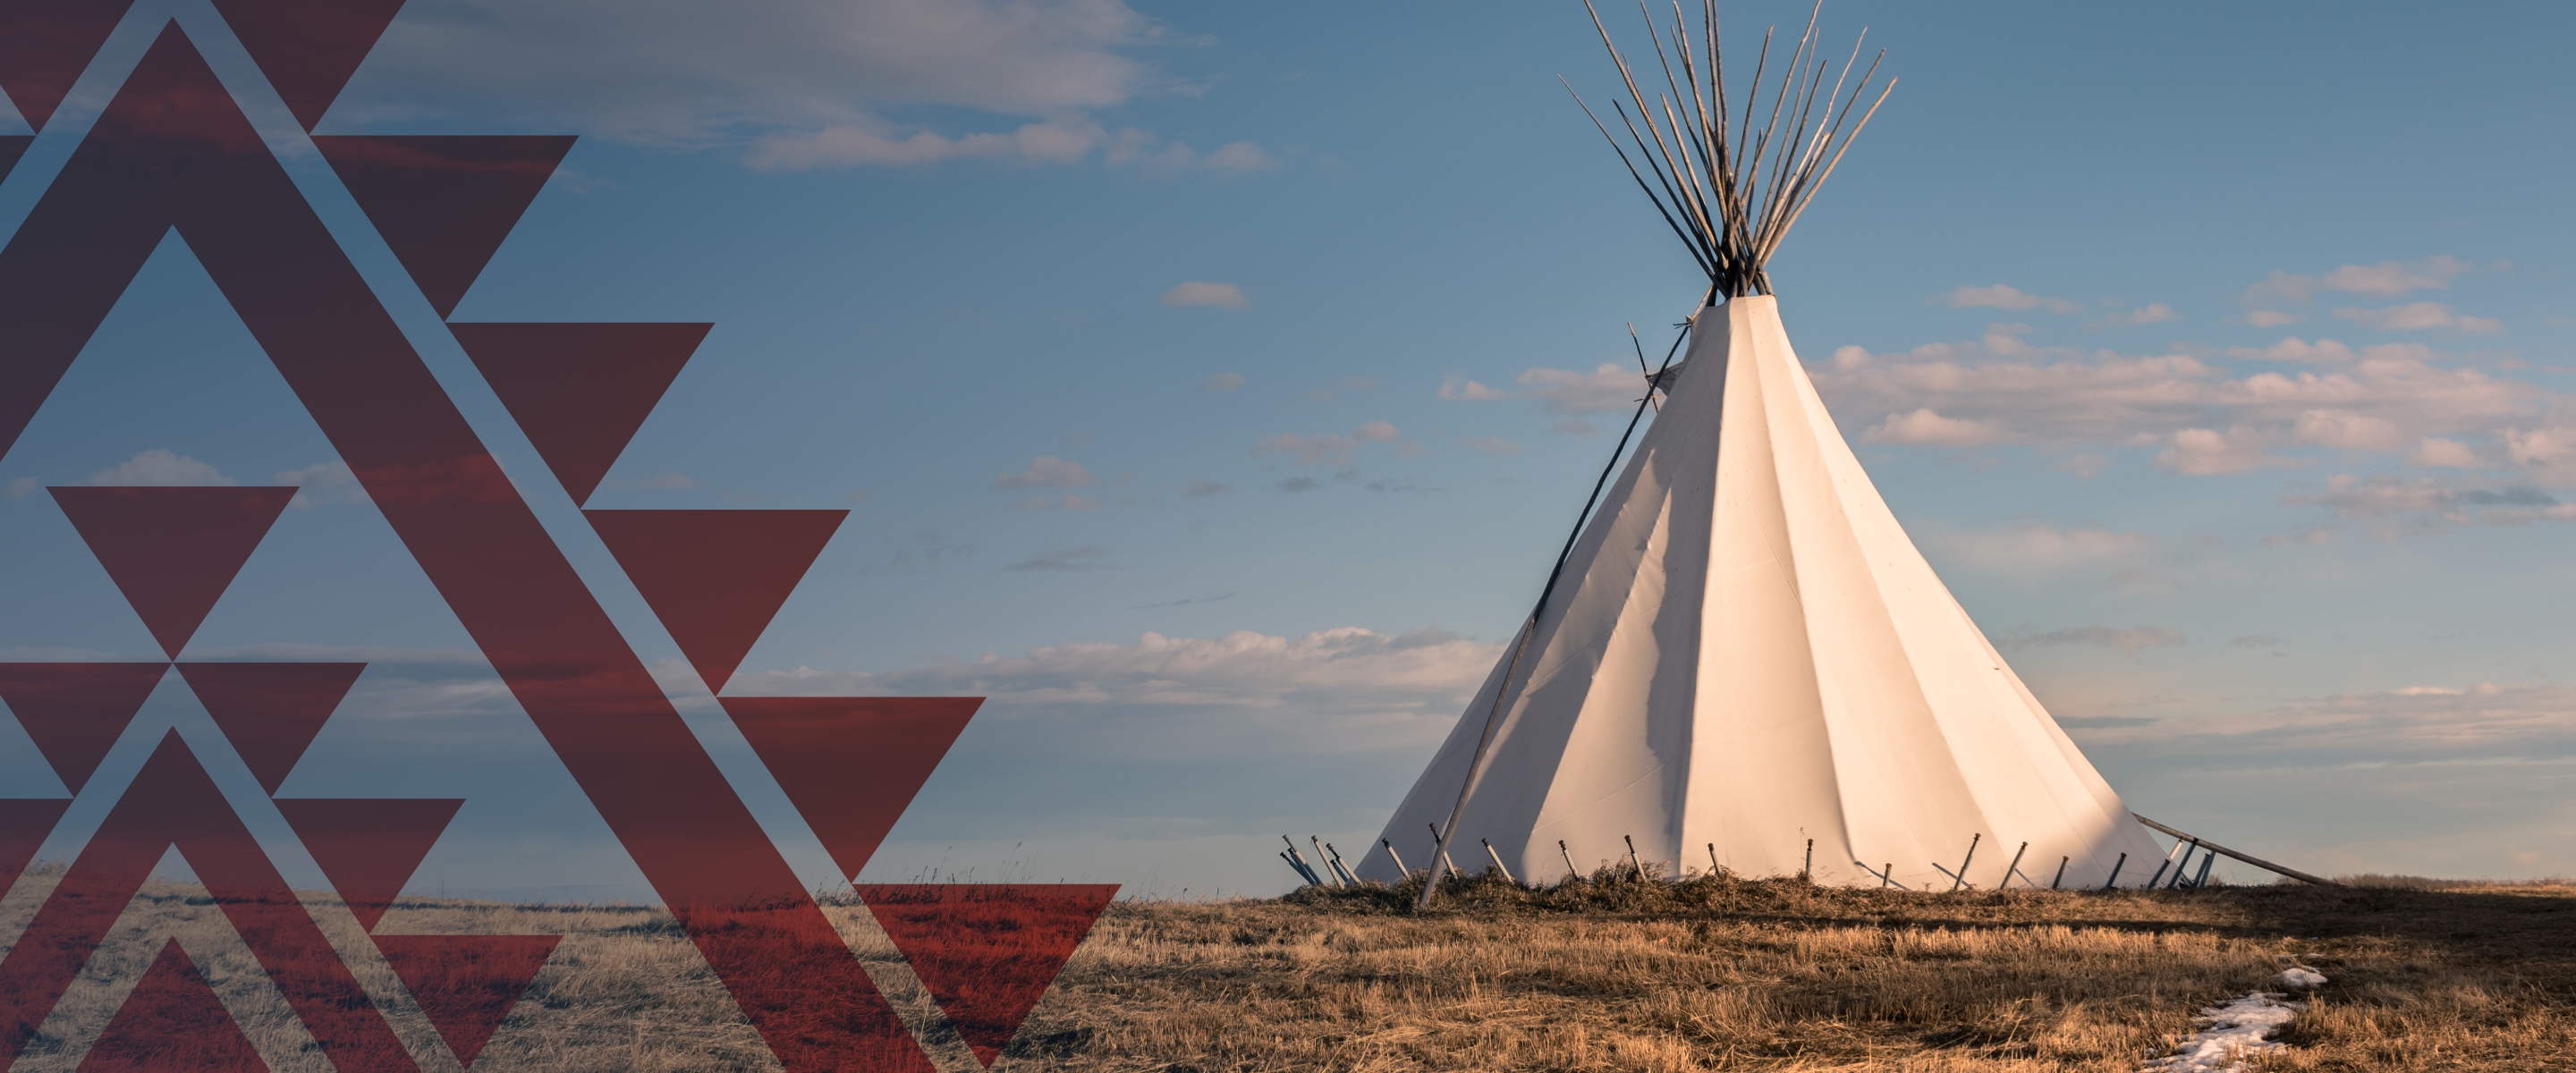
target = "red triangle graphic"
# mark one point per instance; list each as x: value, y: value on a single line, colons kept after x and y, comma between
x: 715, y: 577
x: 851, y: 764
x: 308, y: 48
x: 75, y: 711
x: 444, y: 202
x: 172, y: 550
x: 172, y: 1020
x: 24, y: 824
x: 11, y: 148
x: 44, y: 46
x: 580, y: 390
x: 270, y: 711
x: 467, y: 983
x: 368, y: 846
x: 987, y: 951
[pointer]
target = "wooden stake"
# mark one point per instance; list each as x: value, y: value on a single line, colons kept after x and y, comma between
x: 1570, y: 870
x: 1392, y: 855
x: 1961, y: 877
x: 2006, y: 881
x: 1714, y: 868
x: 1808, y: 871
x: 2115, y: 871
x: 1498, y: 862
x: 1632, y: 858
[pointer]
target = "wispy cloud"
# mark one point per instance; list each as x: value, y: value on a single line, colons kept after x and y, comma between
x: 1046, y: 471
x: 1073, y: 560
x: 2416, y: 317
x: 1198, y: 294
x: 1221, y: 381
x: 1999, y: 296
x: 1334, y: 448
x: 161, y: 466
x: 2129, y: 641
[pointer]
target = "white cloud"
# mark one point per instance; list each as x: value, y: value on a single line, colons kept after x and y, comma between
x: 2436, y: 451
x: 2393, y: 505
x: 1924, y: 427
x: 24, y: 487
x: 2268, y: 318
x: 2154, y: 313
x: 1334, y: 448
x: 1340, y: 691
x: 2387, y: 279
x: 1222, y: 382
x: 800, y: 85
x: 2417, y: 316
x: 2030, y: 545
x: 1077, y: 559
x: 2321, y: 352
x: 1492, y: 445
x: 2000, y: 296
x: 2202, y: 452
x: 1460, y: 389
x: 2206, y: 418
x: 1609, y: 388
x: 1211, y: 295
x: 2128, y: 641
x: 1046, y: 471
x: 160, y: 466
x: 324, y: 482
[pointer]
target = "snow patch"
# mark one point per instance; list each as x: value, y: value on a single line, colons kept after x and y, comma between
x: 2237, y: 1029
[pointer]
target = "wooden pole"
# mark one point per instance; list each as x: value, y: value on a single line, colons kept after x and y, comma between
x: 1498, y: 862
x: 2255, y: 861
x: 2202, y: 880
x: 1328, y: 861
x: 2061, y: 873
x: 1632, y: 858
x: 1714, y: 868
x: 1571, y: 871
x: 1808, y: 871
x: 2006, y: 881
x: 1442, y: 846
x: 1397, y: 858
x: 2115, y: 871
x: 1956, y: 881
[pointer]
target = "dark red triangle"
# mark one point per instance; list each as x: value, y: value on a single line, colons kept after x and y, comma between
x: 46, y: 44
x: 987, y: 951
x: 271, y: 711
x: 467, y: 983
x: 172, y: 551
x: 851, y: 764
x: 170, y: 1021
x: 580, y: 390
x: 715, y: 577
x: 308, y: 48
x: 75, y: 711
x: 368, y: 846
x: 24, y: 825
x: 444, y: 202
x: 12, y: 147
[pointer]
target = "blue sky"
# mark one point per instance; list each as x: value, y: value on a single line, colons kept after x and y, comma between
x: 1211, y: 385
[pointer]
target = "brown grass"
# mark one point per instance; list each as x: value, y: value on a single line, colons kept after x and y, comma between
x: 1597, y: 975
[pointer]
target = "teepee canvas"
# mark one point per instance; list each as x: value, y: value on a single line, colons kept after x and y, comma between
x: 1742, y: 662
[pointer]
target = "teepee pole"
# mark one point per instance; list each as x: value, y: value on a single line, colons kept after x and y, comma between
x: 1392, y: 855
x: 1503, y: 689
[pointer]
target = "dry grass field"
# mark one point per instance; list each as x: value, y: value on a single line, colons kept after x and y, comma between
x: 1597, y: 975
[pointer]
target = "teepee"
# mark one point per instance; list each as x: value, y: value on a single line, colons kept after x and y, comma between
x: 1741, y: 661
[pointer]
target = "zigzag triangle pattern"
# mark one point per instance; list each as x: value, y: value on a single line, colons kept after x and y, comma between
x: 715, y: 577
x: 271, y: 712
x: 172, y: 551
x: 444, y: 202
x: 12, y: 147
x: 24, y: 825
x: 74, y: 712
x: 46, y: 44
x: 467, y: 984
x: 987, y: 951
x: 308, y: 48
x: 851, y: 765
x: 369, y: 847
x: 580, y: 390
x: 172, y: 1020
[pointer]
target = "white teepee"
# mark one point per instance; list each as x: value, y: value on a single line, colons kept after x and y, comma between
x: 1741, y: 656
x: 1746, y: 652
